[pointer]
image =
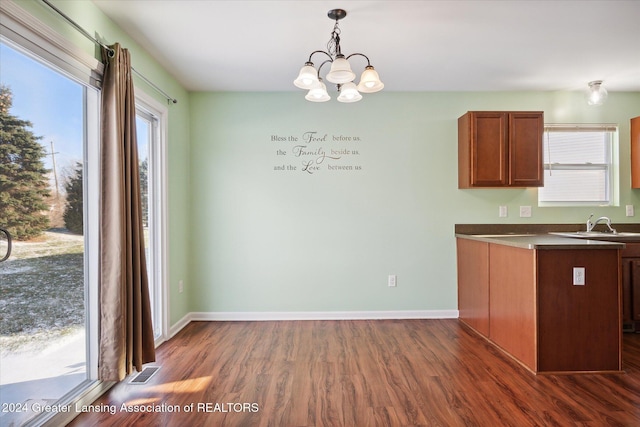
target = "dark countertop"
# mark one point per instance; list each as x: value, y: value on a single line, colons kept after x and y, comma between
x: 543, y: 236
x: 538, y: 228
x: 542, y: 241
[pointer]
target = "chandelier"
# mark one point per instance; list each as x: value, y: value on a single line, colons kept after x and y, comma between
x: 340, y: 72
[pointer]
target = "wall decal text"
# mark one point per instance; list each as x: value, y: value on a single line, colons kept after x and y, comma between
x: 316, y: 152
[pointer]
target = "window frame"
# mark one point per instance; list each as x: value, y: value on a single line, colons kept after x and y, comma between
x: 610, y: 166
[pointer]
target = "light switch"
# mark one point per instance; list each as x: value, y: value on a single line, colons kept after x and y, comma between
x: 630, y: 210
x: 525, y: 211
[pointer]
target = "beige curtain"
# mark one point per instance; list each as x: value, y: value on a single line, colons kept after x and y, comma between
x: 126, y: 332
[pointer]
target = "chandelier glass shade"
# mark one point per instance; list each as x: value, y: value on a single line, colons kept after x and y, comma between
x: 307, y: 77
x: 318, y: 92
x: 369, y: 81
x: 340, y: 72
x: 349, y: 93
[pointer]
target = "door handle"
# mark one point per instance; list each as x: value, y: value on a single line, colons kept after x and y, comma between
x: 4, y: 234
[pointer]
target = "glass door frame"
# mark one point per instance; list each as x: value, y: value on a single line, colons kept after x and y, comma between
x: 157, y: 114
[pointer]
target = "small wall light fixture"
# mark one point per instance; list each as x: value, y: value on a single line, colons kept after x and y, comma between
x: 596, y: 94
x: 340, y: 72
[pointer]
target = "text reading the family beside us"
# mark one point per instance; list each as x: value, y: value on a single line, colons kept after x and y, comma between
x: 313, y: 151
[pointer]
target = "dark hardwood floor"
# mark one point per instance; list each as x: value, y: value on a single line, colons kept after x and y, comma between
x: 361, y: 373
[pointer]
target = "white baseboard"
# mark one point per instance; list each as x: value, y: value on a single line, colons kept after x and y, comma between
x: 310, y: 315
x: 177, y: 327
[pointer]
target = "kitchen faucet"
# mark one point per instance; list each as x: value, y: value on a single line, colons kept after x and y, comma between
x: 591, y: 225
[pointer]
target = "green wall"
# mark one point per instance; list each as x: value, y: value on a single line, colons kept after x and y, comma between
x: 271, y: 240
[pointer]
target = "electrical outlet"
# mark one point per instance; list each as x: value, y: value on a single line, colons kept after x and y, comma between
x: 503, y: 212
x: 578, y: 276
x: 393, y: 280
x: 630, y: 210
x: 181, y: 286
x: 525, y: 211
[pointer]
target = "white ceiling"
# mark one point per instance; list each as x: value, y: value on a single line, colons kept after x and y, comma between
x: 463, y: 45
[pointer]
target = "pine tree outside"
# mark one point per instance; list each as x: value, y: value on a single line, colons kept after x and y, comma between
x: 23, y: 177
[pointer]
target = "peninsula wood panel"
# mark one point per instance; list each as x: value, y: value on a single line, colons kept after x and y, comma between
x: 473, y: 284
x: 512, y: 301
x: 576, y: 328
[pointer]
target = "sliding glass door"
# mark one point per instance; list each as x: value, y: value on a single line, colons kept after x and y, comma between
x: 47, y: 331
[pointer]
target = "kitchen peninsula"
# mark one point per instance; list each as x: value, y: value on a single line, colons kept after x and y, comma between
x: 552, y: 303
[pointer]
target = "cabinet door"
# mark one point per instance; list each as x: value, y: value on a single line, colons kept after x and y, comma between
x: 489, y: 147
x: 635, y: 289
x: 627, y: 301
x: 525, y: 149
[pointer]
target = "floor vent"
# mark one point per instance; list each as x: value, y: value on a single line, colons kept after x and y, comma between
x: 145, y: 375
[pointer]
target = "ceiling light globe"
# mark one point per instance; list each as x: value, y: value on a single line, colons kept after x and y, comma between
x: 370, y: 81
x: 340, y: 71
x: 307, y: 77
x: 349, y: 93
x: 596, y: 94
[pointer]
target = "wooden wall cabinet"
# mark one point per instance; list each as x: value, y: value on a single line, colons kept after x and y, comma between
x: 635, y: 152
x: 500, y: 149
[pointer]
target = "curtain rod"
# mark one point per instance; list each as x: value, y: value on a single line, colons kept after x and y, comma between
x: 111, y: 51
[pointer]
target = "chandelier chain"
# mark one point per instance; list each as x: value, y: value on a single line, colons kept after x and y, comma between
x: 333, y: 46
